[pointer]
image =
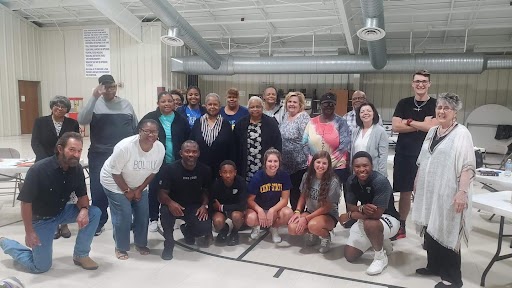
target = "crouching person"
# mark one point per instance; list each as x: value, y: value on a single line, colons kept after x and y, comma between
x: 44, y: 197
x: 377, y: 218
x: 319, y: 194
x: 184, y: 195
x: 229, y: 200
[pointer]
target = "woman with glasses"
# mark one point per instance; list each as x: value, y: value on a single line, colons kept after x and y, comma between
x: 173, y: 130
x: 214, y: 136
x: 124, y: 177
x: 329, y: 132
x: 47, y: 130
x: 254, y: 134
x: 292, y: 130
x: 369, y: 136
x: 442, y: 208
x: 177, y: 97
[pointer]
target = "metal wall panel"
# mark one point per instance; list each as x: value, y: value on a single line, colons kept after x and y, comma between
x: 490, y: 87
x: 19, y: 57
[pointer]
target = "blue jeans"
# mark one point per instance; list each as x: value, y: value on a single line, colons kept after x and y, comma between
x: 121, y: 210
x: 99, y: 199
x: 39, y: 258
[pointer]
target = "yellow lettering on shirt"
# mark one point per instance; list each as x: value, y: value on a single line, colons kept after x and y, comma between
x: 271, y: 187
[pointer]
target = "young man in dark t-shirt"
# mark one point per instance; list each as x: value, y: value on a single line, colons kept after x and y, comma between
x: 184, y: 195
x: 412, y: 119
x: 377, y: 218
x: 229, y: 200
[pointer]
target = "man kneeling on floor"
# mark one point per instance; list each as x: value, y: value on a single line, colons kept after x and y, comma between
x: 44, y: 197
x: 377, y: 216
x: 184, y: 195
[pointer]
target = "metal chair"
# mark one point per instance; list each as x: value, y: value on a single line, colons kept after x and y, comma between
x: 11, y: 153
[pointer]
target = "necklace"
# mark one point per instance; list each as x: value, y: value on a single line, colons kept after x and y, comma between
x: 440, y: 134
x: 418, y: 107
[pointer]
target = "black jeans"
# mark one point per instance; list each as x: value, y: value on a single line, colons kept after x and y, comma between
x: 196, y: 227
x: 295, y: 178
x: 443, y: 261
x: 99, y: 198
x: 154, y: 204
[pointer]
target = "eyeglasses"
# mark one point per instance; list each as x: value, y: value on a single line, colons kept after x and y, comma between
x: 149, y: 132
x: 62, y: 107
x: 328, y: 104
x: 420, y: 82
x: 443, y: 108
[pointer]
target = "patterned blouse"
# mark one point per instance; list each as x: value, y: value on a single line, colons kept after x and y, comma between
x: 333, y: 137
x: 253, y: 150
x: 292, y: 132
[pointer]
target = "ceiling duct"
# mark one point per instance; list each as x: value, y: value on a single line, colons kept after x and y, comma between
x: 172, y: 38
x: 373, y: 32
x: 474, y: 63
x: 172, y: 18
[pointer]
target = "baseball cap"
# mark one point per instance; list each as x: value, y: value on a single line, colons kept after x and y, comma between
x: 106, y: 79
x: 328, y: 97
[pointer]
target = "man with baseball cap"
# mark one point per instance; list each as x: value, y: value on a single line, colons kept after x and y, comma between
x: 111, y: 119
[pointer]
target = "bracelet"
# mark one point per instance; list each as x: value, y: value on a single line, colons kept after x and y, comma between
x: 349, y: 214
x: 297, y: 211
x: 85, y: 207
x: 127, y: 190
x: 409, y: 122
x: 360, y: 208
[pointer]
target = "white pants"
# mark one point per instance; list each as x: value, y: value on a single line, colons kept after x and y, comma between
x: 360, y: 241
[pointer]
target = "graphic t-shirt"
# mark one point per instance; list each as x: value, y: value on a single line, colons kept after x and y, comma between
x: 268, y: 189
x: 129, y: 160
x: 242, y: 111
x: 192, y: 115
x: 166, y: 121
x: 333, y: 195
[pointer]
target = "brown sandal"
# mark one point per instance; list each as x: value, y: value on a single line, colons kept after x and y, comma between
x: 121, y: 255
x: 142, y: 250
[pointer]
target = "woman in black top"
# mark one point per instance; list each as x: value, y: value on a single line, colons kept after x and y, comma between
x: 47, y: 130
x: 173, y: 130
x: 214, y: 135
x: 254, y: 134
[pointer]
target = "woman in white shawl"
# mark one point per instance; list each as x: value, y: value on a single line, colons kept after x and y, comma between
x: 446, y: 168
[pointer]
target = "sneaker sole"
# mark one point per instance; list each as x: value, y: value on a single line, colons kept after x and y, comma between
x: 373, y: 274
x: 86, y: 268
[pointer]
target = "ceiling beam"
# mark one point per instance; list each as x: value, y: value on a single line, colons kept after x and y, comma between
x: 121, y: 16
x: 348, y: 27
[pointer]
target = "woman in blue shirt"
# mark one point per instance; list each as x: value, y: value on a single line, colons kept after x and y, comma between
x: 269, y: 191
x: 173, y: 130
x: 193, y: 110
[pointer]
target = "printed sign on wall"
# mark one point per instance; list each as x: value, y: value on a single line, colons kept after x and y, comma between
x: 97, y: 52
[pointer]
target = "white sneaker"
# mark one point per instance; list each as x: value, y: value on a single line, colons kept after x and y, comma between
x: 153, y: 226
x: 11, y: 282
x: 310, y: 239
x: 275, y: 235
x: 388, y: 247
x: 325, y: 244
x: 255, y: 233
x: 380, y: 261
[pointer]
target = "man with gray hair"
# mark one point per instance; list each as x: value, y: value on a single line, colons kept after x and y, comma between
x: 358, y: 99
x: 111, y: 119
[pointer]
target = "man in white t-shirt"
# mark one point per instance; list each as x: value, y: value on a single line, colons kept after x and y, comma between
x: 125, y: 177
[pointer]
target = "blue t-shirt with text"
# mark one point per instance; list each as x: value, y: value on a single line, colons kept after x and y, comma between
x: 242, y: 111
x: 268, y: 189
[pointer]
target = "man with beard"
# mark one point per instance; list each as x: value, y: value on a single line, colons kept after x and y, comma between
x: 358, y: 99
x: 44, y: 197
x: 184, y: 195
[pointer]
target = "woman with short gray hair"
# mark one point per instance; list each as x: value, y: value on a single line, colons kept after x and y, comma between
x: 214, y: 135
x: 45, y: 133
x: 443, y: 190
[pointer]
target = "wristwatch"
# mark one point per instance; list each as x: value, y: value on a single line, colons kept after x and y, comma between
x: 205, y: 206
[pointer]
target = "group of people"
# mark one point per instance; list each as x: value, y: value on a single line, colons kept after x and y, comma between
x: 264, y: 166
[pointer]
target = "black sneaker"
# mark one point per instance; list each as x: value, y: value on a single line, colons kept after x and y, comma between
x: 189, y: 238
x: 205, y: 241
x: 233, y: 239
x: 223, y: 234
x: 349, y: 223
x: 99, y: 231
x: 167, y: 254
x: 426, y: 272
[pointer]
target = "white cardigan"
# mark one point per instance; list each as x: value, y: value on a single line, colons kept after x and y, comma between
x: 378, y: 146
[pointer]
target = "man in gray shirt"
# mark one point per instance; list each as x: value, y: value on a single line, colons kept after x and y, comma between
x: 111, y: 119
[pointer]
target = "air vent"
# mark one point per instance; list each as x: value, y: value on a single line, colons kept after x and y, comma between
x: 172, y: 39
x: 372, y: 30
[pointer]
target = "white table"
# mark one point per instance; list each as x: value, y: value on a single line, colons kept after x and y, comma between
x: 495, y: 183
x: 500, y: 204
x: 9, y: 167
